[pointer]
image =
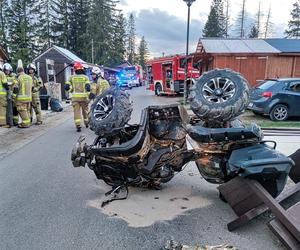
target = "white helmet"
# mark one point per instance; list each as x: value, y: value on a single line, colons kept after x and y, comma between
x: 96, y: 71
x: 31, y: 66
x: 102, y: 73
x: 7, y: 67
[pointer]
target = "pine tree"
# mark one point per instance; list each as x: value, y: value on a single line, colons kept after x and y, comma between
x: 21, y: 30
x: 293, y: 30
x: 118, y: 39
x: 216, y: 23
x: 78, y: 16
x: 255, y: 29
x: 143, y: 53
x: 131, y: 39
x: 44, y: 24
x: 254, y: 32
x: 3, y: 22
x: 59, y: 14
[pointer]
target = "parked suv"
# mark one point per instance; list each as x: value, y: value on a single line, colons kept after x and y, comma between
x: 278, y: 98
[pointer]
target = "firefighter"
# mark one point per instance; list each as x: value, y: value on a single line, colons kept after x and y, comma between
x: 103, y: 83
x: 79, y: 86
x: 37, y: 85
x: 11, y: 80
x: 23, y: 92
x: 98, y: 85
x: 3, y: 96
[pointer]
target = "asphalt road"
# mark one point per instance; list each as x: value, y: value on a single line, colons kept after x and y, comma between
x: 45, y: 203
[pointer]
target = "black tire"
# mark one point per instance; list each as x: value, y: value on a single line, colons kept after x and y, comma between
x: 219, y: 95
x: 110, y: 110
x: 279, y: 112
x: 158, y: 89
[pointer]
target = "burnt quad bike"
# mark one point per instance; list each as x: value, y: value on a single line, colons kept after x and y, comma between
x: 167, y: 138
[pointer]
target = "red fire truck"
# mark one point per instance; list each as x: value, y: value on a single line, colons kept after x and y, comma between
x: 166, y: 75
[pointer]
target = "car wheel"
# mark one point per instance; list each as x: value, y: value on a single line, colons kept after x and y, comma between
x: 279, y: 113
x: 158, y: 89
x: 219, y: 95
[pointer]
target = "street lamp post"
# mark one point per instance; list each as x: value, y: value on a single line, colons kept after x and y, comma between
x: 189, y: 4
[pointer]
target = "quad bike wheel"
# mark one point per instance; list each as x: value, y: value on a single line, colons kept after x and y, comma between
x: 110, y: 110
x: 219, y: 95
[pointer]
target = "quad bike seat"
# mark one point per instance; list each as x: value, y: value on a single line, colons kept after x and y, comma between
x: 211, y: 135
x: 130, y: 147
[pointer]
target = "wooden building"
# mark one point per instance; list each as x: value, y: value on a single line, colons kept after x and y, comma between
x: 56, y: 65
x: 3, y: 56
x: 256, y: 59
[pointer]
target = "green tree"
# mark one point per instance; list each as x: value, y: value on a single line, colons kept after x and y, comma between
x: 293, y: 30
x: 78, y: 17
x: 131, y: 39
x: 143, y: 53
x: 44, y: 24
x: 255, y: 29
x: 254, y: 32
x: 3, y: 22
x: 21, y: 30
x: 118, y: 39
x: 216, y: 22
x: 60, y: 23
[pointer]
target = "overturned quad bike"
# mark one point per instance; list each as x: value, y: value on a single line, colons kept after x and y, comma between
x: 167, y: 138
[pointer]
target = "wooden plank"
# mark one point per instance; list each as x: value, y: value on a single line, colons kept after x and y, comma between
x: 283, y: 234
x: 285, y: 218
x: 256, y: 211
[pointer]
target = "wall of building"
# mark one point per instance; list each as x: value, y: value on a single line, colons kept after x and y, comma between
x: 257, y: 68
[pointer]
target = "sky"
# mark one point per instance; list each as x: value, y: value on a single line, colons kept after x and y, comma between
x: 163, y: 22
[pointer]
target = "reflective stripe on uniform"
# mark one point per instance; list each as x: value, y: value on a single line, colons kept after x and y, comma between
x: 79, y: 95
x: 24, y: 98
x: 26, y: 121
x: 3, y: 93
x: 77, y: 120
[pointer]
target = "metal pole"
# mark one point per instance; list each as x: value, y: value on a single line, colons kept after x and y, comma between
x: 92, y: 51
x: 187, y: 54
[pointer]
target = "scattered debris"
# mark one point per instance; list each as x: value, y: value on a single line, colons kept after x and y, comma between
x: 173, y: 245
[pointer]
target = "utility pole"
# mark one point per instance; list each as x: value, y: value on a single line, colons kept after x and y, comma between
x: 189, y: 4
x: 92, y: 51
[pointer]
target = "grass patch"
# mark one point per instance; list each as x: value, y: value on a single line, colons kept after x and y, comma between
x: 263, y: 121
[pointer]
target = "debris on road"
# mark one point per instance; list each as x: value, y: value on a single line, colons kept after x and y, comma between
x: 173, y: 245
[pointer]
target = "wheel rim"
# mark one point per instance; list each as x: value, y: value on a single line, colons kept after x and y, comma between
x: 280, y: 113
x: 104, y: 107
x: 218, y: 90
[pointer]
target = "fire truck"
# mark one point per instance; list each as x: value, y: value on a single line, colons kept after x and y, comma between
x: 166, y: 75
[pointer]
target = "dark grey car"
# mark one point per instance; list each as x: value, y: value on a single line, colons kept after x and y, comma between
x: 278, y: 98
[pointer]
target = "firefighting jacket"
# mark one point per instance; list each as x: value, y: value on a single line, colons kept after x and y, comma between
x: 103, y: 85
x: 3, y: 81
x: 37, y: 85
x: 79, y: 85
x: 24, y: 85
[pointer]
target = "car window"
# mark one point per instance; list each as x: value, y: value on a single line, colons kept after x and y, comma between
x: 267, y: 84
x: 294, y: 86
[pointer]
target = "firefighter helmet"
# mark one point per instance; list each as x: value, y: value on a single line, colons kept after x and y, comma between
x: 96, y: 71
x: 78, y: 66
x: 31, y: 66
x: 7, y: 67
